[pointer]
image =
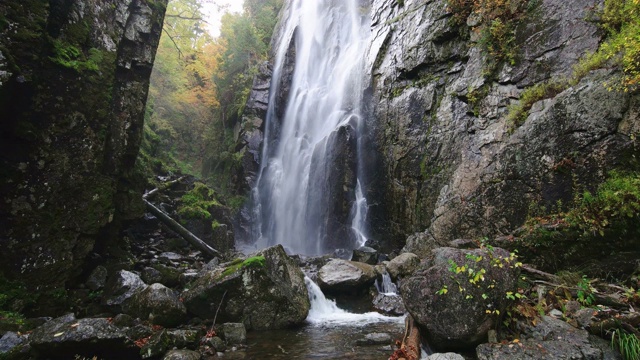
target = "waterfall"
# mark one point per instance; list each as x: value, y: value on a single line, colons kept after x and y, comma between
x: 325, y: 312
x: 309, y: 193
x: 386, y: 286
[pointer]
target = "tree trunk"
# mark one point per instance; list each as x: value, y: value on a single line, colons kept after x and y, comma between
x: 175, y: 226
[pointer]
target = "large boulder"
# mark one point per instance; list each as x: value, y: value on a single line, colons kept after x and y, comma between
x: 66, y: 336
x: 461, y: 295
x: 389, y: 304
x: 266, y: 291
x: 157, y: 303
x: 340, y: 276
x: 554, y: 340
x: 366, y: 255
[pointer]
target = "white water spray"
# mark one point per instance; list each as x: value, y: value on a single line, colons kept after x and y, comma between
x: 325, y: 312
x: 308, y: 195
x: 386, y: 286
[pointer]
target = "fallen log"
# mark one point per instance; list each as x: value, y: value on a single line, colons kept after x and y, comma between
x: 180, y: 230
x: 162, y: 187
x: 538, y: 273
x: 600, y: 328
x: 409, y: 348
x: 598, y: 298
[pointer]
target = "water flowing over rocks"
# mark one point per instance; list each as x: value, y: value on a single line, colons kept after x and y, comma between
x: 265, y: 291
x: 342, y: 276
x: 460, y: 295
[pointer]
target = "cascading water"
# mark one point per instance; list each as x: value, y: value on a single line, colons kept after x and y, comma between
x: 309, y: 196
x: 386, y: 286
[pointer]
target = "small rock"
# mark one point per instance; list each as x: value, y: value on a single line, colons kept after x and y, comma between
x: 375, y: 339
x: 139, y: 331
x: 556, y: 313
x: 97, y: 279
x: 121, y: 287
x: 215, y: 343
x: 9, y: 341
x: 365, y: 255
x: 234, y: 333
x: 584, y: 316
x: 182, y: 355
x: 492, y: 336
x: 157, y: 345
x: 123, y: 320
x: 187, y: 277
x: 572, y: 307
x: 445, y: 356
x: 389, y: 304
x: 169, y: 257
x: 151, y: 275
x: 182, y: 339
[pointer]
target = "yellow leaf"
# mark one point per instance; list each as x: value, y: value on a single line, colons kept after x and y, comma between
x: 58, y: 334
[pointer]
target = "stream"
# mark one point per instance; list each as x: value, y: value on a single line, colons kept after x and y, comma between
x: 329, y: 333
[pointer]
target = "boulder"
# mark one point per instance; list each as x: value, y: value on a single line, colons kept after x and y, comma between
x: 365, y: 255
x: 403, y: 265
x: 9, y: 341
x: 151, y: 275
x: 420, y: 244
x: 98, y: 278
x: 66, y: 336
x: 266, y: 291
x: 157, y: 303
x: 121, y: 287
x: 234, y: 333
x: 389, y: 304
x: 340, y: 276
x: 555, y: 339
x: 461, y: 295
x: 182, y: 355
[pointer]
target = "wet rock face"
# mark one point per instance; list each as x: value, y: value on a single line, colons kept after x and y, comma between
x: 266, y: 291
x: 461, y: 295
x: 449, y: 161
x: 159, y: 304
x: 73, y: 90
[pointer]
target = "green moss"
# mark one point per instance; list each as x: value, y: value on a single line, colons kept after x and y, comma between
x: 196, y: 203
x: 238, y: 264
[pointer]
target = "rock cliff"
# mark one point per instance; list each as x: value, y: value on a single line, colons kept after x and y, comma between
x: 449, y: 161
x: 74, y: 76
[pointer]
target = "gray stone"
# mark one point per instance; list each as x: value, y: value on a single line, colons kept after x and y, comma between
x: 150, y: 275
x: 182, y: 355
x: 555, y: 339
x: 123, y: 320
x: 389, y: 304
x: 584, y: 316
x: 345, y: 276
x: 97, y: 279
x: 234, y: 333
x: 365, y: 255
x: 403, y: 265
x: 216, y: 343
x: 68, y: 336
x: 420, y: 244
x: 445, y: 356
x: 121, y: 287
x: 158, y: 304
x: 262, y: 294
x: 457, y: 308
x: 375, y: 339
x: 10, y: 340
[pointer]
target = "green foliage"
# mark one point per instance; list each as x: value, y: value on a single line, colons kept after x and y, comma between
x: 518, y: 112
x: 627, y: 344
x: 497, y: 22
x: 196, y: 203
x: 585, y: 292
x: 620, y: 19
x: 71, y: 57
